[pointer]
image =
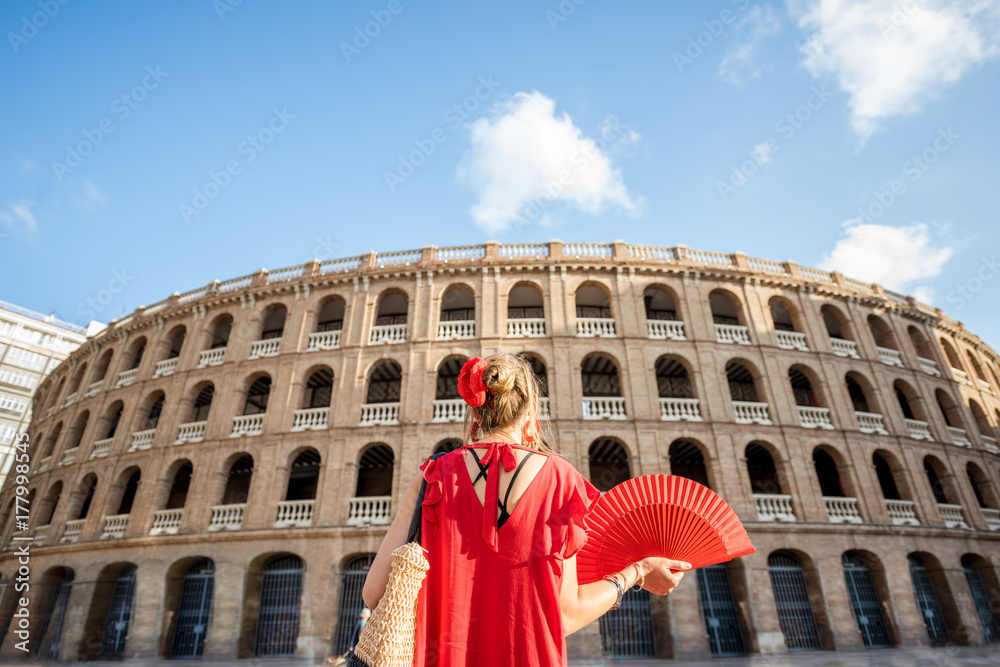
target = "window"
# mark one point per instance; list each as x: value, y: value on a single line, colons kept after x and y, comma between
x: 18, y: 379
x: 27, y: 359
x: 12, y: 403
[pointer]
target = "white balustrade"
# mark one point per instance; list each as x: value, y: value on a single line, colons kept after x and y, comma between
x: 41, y: 532
x: 992, y: 518
x: 813, y: 417
x: 369, y: 511
x: 165, y: 368
x: 114, y: 526
x: 166, y: 522
x: 388, y: 334
x: 990, y: 444
x: 604, y: 407
x: 248, y: 425
x: 591, y: 327
x: 985, y: 386
x: 69, y: 456
x: 543, y: 407
x: 190, y: 432
x: 929, y: 366
x: 101, y: 448
x: 792, y: 340
x: 449, y: 410
x: 44, y: 464
x: 958, y: 437
x: 265, y: 348
x: 294, y: 513
x: 953, y: 516
x: 227, y: 517
x: 961, y: 376
x: 323, y: 340
x: 125, y: 378
x: 901, y: 512
x: 748, y: 412
x: 732, y: 333
x: 311, y: 419
x: 72, y: 531
x: 842, y: 510
x: 93, y: 388
x: 665, y: 330
x: 680, y: 409
x: 889, y: 357
x: 773, y: 507
x: 919, y: 430
x: 379, y: 413
x: 527, y: 327
x: 69, y: 400
x: 213, y: 357
x: 844, y: 348
x: 869, y: 422
x: 456, y: 330
x: 142, y: 440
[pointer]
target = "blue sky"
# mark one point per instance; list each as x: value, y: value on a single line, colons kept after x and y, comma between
x: 760, y: 127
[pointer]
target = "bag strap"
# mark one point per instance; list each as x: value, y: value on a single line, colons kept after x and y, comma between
x: 414, y: 533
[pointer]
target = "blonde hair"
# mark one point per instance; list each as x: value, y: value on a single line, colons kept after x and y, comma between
x: 512, y: 394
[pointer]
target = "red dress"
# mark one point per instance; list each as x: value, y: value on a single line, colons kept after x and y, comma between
x: 491, y: 597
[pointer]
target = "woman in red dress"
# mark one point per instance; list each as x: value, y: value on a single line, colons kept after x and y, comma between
x: 502, y: 587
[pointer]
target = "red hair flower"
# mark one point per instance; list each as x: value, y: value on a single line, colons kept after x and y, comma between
x: 470, y: 382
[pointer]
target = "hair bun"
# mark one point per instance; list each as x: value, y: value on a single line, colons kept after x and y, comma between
x: 499, y: 378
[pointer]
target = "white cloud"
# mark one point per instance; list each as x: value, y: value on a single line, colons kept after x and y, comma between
x: 524, y: 158
x: 740, y: 62
x: 897, y: 258
x: 892, y: 57
x: 18, y: 216
x: 91, y: 192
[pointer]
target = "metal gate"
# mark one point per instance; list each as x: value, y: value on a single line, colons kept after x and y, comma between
x: 864, y: 602
x: 718, y: 608
x: 791, y: 597
x: 351, y: 603
x: 983, y: 606
x: 119, y: 614
x: 53, y: 620
x: 627, y: 632
x: 194, y: 610
x: 278, y: 614
x: 927, y: 601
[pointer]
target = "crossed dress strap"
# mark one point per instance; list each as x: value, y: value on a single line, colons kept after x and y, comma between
x: 504, y: 514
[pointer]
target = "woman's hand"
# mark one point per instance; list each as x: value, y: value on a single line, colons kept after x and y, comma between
x: 662, y: 574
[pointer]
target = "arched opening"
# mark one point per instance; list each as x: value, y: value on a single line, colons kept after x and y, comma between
x: 921, y: 344
x: 883, y: 335
x: 76, y: 433
x: 331, y: 315
x: 48, y: 507
x: 149, y: 412
x: 257, y: 396
x: 458, y: 314
x: 375, y: 471
x: 74, y: 383
x: 627, y: 632
x: 781, y: 314
x: 303, y: 478
x: 384, y: 383
x: 193, y: 608
x: 609, y: 464
x: 977, y: 368
x: 273, y: 325
x: 111, y: 611
x: 128, y: 491
x: 136, y: 351
x: 770, y: 500
x: 50, y: 444
x: 982, y: 421
x: 840, y: 332
x: 86, y: 491
x: 448, y: 405
x: 180, y: 486
x: 58, y: 583
x: 934, y: 471
x: 718, y: 607
x: 795, y: 600
x: 828, y: 474
x: 593, y: 312
x: 747, y: 406
x: 953, y: 360
x: 525, y: 312
x: 318, y: 389
x: 277, y: 628
x: 728, y: 317
x: 943, y: 487
x: 984, y: 587
x: 787, y: 325
x: 865, y: 411
x: 892, y: 480
x: 390, y: 319
x: 220, y: 332
x: 175, y: 342
x: 202, y: 403
x: 193, y: 429
x: 541, y: 374
x: 352, y: 583
x: 953, y: 418
x: 867, y: 598
x: 808, y: 403
x: 985, y: 493
x: 677, y: 401
x: 662, y: 320
x: 839, y: 499
x: 100, y: 371
x: 237, y: 489
x: 688, y: 461
x: 447, y: 445
x: 934, y: 599
x: 602, y: 391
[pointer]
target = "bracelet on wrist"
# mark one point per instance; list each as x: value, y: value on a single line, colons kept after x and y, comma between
x: 618, y: 587
x: 640, y: 579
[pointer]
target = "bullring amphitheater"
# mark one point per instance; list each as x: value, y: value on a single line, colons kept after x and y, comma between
x: 211, y: 475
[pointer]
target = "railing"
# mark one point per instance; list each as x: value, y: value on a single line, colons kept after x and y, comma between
x: 844, y: 348
x: 918, y: 430
x: 604, y: 407
x: 93, y: 388
x: 985, y: 386
x: 528, y: 327
x: 386, y: 414
x: 311, y: 419
x: 522, y: 250
x: 69, y: 456
x: 101, y: 448
x: 44, y: 464
x: 388, y: 334
x: 370, y: 511
x: 958, y: 437
x: 773, y: 507
x: 869, y: 422
x: 72, y: 531
x: 953, y: 516
x: 587, y: 250
x: 644, y: 252
x: 992, y: 518
x: 901, y: 512
x: 842, y: 510
x: 456, y: 330
x: 680, y: 409
x: 323, y: 340
x: 142, y: 440
x: 732, y: 333
x: 41, y: 532
x: 294, y: 513
x: 165, y: 368
x: 114, y: 526
x: 665, y: 330
x: 706, y: 257
x: 69, y: 400
x: 166, y: 522
x: 284, y: 275
x: 227, y: 517
x: 590, y: 327
x: 340, y: 265
x: 247, y: 425
x: 813, y: 417
x: 859, y: 285
x: 929, y: 366
x: 460, y: 252
x: 990, y: 444
x: 767, y: 266
x: 399, y: 258
x: 125, y: 378
x: 748, y: 412
x: 211, y: 357
x: 449, y: 410
x: 190, y: 432
x: 543, y: 407
x: 792, y: 340
x: 889, y: 357
x: 960, y: 375
x: 264, y: 348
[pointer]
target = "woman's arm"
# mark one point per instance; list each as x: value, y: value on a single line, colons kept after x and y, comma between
x: 582, y: 605
x: 378, y: 575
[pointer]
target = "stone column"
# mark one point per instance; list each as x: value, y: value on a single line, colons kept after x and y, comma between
x: 224, y: 629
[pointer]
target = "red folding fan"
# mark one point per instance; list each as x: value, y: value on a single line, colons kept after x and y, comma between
x: 660, y: 515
